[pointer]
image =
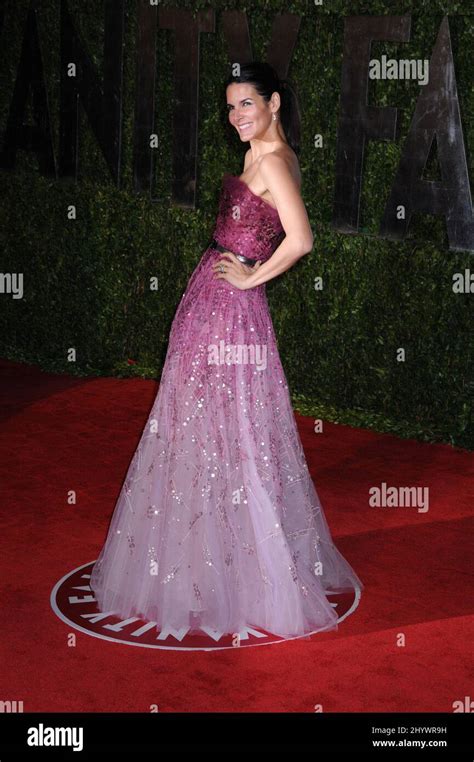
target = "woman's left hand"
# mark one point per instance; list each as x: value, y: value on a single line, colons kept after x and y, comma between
x: 235, y: 272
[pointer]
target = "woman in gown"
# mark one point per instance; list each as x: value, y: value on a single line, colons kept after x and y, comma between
x: 218, y: 527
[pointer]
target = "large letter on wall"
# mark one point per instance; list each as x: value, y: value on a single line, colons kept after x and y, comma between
x: 436, y: 116
x: 187, y: 31
x: 37, y: 137
x: 79, y: 80
x: 357, y: 120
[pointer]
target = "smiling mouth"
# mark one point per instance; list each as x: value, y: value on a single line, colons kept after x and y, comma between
x: 243, y: 127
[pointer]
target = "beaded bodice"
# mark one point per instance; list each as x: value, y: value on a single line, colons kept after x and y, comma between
x: 246, y: 223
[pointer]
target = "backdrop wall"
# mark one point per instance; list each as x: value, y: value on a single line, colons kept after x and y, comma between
x: 87, y: 280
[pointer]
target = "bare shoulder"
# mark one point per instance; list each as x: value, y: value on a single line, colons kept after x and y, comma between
x: 247, y: 159
x: 282, y: 163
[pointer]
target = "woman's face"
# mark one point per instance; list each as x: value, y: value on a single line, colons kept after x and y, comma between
x: 249, y: 112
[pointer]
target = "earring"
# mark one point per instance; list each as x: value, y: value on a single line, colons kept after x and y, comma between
x: 274, y: 117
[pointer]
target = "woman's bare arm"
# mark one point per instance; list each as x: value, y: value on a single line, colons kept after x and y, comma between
x: 298, y: 239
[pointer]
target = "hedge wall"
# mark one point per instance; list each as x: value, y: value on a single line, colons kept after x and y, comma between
x: 87, y: 281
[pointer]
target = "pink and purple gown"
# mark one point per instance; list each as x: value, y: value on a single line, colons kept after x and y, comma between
x: 218, y: 526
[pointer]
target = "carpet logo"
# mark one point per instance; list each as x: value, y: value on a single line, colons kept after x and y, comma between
x: 72, y: 599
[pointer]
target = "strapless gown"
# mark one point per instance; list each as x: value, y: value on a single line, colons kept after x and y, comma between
x: 218, y: 526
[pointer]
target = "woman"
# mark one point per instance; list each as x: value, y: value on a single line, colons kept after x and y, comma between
x: 218, y: 527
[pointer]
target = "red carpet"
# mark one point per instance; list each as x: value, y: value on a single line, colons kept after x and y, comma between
x: 61, y: 433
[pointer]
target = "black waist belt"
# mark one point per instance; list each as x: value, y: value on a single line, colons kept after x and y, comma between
x: 246, y: 260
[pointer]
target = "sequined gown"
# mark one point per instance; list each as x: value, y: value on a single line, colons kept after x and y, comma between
x: 218, y: 525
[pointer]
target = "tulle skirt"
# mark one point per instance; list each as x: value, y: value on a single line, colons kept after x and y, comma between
x: 218, y: 525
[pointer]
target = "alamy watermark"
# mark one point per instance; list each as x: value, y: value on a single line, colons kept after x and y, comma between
x: 12, y: 283
x: 42, y: 735
x: 403, y: 68
x: 237, y: 354
x: 399, y: 497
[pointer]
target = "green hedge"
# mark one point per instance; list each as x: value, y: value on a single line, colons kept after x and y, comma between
x: 86, y: 281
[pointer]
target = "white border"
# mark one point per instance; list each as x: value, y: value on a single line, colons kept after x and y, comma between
x: 62, y: 616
